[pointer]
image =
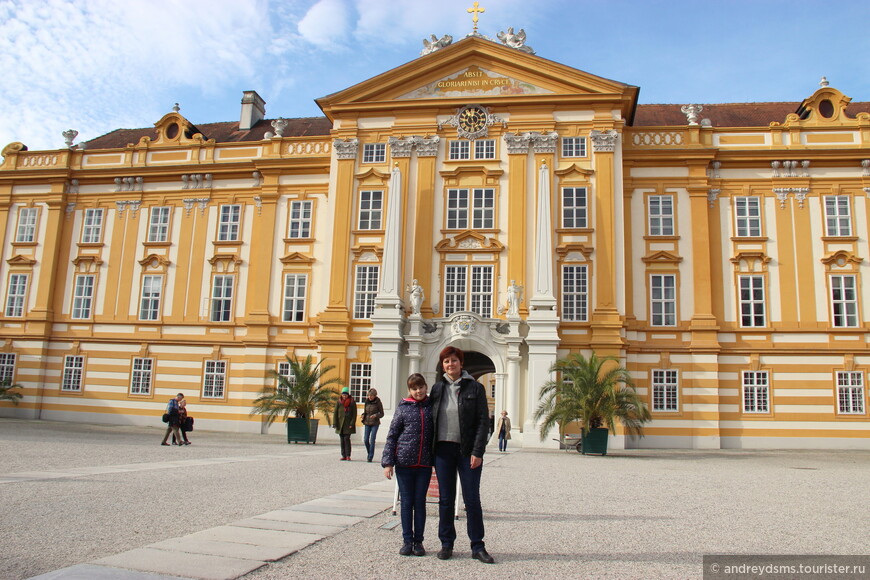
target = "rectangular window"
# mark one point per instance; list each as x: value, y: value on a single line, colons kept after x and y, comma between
x: 140, y: 378
x: 575, y: 294
x: 158, y: 224
x: 455, y: 284
x: 295, y: 286
x: 366, y: 290
x: 844, y: 301
x: 457, y: 209
x: 484, y: 149
x: 747, y: 212
x: 84, y: 297
x: 756, y: 395
x: 215, y: 379
x: 752, y: 314
x: 483, y: 209
x: 574, y: 207
x: 850, y: 393
x: 480, y: 204
x: 230, y: 217
x: 664, y: 389
x: 360, y: 380
x: 286, y: 371
x: 371, y: 207
x: 481, y: 290
x: 16, y: 295
x: 26, y: 225
x: 72, y: 374
x: 838, y: 221
x: 7, y: 366
x: 92, y: 230
x: 222, y: 298
x: 663, y: 303
x: 573, y: 146
x: 459, y: 150
x: 374, y: 152
x: 458, y: 294
x: 661, y: 215
x: 152, y: 290
x: 300, y: 219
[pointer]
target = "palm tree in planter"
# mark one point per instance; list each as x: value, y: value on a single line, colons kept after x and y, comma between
x: 595, y: 392
x: 6, y: 392
x: 302, y: 391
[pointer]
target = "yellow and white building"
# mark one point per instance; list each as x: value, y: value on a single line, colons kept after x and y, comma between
x: 533, y: 209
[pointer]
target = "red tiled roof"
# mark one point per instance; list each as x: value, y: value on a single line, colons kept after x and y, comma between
x: 728, y: 114
x: 226, y: 132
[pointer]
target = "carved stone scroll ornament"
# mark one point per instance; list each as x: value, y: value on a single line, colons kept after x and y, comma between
x: 346, y: 148
x: 544, y: 142
x: 517, y: 144
x: 712, y: 195
x: 427, y: 146
x: 604, y: 141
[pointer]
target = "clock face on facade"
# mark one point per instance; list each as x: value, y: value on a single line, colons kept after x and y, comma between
x: 472, y: 119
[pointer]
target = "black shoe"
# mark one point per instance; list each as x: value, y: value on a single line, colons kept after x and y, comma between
x: 418, y: 549
x: 406, y: 550
x: 483, y: 556
x: 445, y: 553
x: 165, y: 444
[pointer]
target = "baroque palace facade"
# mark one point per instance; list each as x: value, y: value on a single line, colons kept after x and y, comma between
x: 478, y: 196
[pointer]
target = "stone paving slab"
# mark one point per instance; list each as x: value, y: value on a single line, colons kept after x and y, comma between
x: 264, y: 524
x: 92, y: 572
x: 332, y: 508
x: 187, y: 565
x: 257, y: 537
x: 290, y: 514
x: 222, y: 548
x: 350, y: 496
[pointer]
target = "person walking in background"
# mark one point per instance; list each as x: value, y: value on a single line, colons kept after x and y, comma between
x: 373, y: 410
x: 174, y: 419
x: 182, y: 423
x: 408, y: 449
x: 503, y: 428
x: 461, y: 416
x: 344, y: 419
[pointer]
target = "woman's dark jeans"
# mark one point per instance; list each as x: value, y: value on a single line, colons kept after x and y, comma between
x: 369, y: 436
x: 413, y: 485
x: 449, y: 463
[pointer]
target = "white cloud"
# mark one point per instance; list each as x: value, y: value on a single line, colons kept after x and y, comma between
x: 327, y: 24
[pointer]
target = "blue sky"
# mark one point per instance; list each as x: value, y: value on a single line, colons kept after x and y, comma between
x: 99, y: 65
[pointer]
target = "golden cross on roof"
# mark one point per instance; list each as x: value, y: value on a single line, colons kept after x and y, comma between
x: 475, y: 9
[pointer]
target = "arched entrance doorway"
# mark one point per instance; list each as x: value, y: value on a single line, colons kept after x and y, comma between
x: 482, y: 368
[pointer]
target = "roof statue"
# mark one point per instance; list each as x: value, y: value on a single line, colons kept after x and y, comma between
x: 430, y: 46
x: 517, y: 41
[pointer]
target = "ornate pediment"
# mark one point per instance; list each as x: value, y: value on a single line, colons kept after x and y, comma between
x: 469, y: 241
x: 826, y: 107
x: 841, y: 260
x: 296, y: 258
x: 754, y: 261
x: 173, y: 129
x: 19, y: 260
x: 155, y: 262
x: 662, y: 257
x: 573, y: 253
x: 574, y: 172
x: 472, y: 82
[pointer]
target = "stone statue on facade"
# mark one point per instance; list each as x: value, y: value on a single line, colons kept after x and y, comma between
x: 416, y: 292
x: 514, y: 293
x: 517, y: 41
x: 430, y: 46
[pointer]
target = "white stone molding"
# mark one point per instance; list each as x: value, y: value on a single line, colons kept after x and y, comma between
x: 781, y: 195
x: 72, y: 186
x: 129, y: 183
x: 70, y: 208
x: 604, y: 141
x: 121, y: 205
x: 712, y: 195
x: 789, y: 168
x: 867, y: 191
x: 491, y: 120
x: 430, y: 46
x: 692, y: 112
x: 257, y: 179
x: 427, y: 146
x: 346, y: 148
x: 775, y: 166
x: 800, y: 194
x: 279, y: 125
x: 258, y: 202
x: 517, y: 143
x: 865, y: 165
x: 805, y: 168
x: 188, y: 202
x: 517, y: 41
x: 203, y: 203
x: 401, y: 147
x: 544, y: 142
x: 196, y: 181
x: 69, y: 136
x: 714, y: 169
x: 463, y: 325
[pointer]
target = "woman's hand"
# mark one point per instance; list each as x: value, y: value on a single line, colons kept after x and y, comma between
x: 476, y: 462
x: 388, y: 472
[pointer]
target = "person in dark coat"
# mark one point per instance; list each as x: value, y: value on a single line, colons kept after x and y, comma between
x: 408, y: 449
x: 461, y: 416
x: 174, y: 413
x: 344, y: 419
x: 373, y: 410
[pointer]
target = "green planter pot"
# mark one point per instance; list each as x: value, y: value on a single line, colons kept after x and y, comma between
x: 301, y: 429
x: 595, y: 441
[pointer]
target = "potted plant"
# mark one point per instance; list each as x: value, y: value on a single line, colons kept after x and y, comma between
x: 594, y: 391
x: 303, y: 392
x: 6, y: 392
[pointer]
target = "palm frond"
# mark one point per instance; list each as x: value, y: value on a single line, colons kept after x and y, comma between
x: 304, y: 392
x: 6, y: 392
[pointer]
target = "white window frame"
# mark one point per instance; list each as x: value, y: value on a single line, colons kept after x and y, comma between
x: 295, y: 289
x: 371, y: 209
x: 7, y: 366
x: 222, y: 286
x: 665, y: 390
x: 844, y: 301
x: 755, y: 387
x: 360, y: 380
x: 484, y: 149
x: 747, y: 216
x: 300, y: 219
x: 365, y: 291
x: 459, y: 150
x: 850, y: 393
x: 469, y: 288
x: 374, y: 153
x: 158, y: 224
x: 26, y: 231
x: 573, y: 146
x: 455, y: 284
x: 16, y: 297
x: 286, y: 371
x: 753, y: 301
x: 150, y: 298
x: 663, y: 306
x: 575, y: 207
x: 575, y: 293
x: 214, y: 379
x: 838, y: 216
x: 92, y: 229
x: 73, y: 369
x: 83, y: 296
x: 141, y: 374
x: 458, y: 202
x: 481, y: 291
x: 471, y: 206
x: 661, y: 215
x: 229, y: 222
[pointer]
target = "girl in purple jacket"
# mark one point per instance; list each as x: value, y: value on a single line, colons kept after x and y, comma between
x: 409, y: 449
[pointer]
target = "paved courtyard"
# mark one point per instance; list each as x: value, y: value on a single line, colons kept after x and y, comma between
x: 85, y: 502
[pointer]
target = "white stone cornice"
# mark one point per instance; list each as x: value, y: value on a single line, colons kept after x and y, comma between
x: 604, y: 141
x: 712, y: 195
x: 517, y: 143
x: 401, y: 147
x: 544, y: 142
x: 427, y: 146
x: 346, y: 148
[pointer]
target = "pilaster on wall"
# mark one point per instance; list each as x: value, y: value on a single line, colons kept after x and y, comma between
x: 335, y: 320
x: 518, y: 216
x: 260, y: 271
x: 424, y: 226
x: 47, y: 292
x: 704, y: 325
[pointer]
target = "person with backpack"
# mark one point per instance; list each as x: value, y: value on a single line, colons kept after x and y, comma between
x: 174, y: 419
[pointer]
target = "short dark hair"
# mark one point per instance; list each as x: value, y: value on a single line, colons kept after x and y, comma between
x: 451, y: 351
x: 416, y: 380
